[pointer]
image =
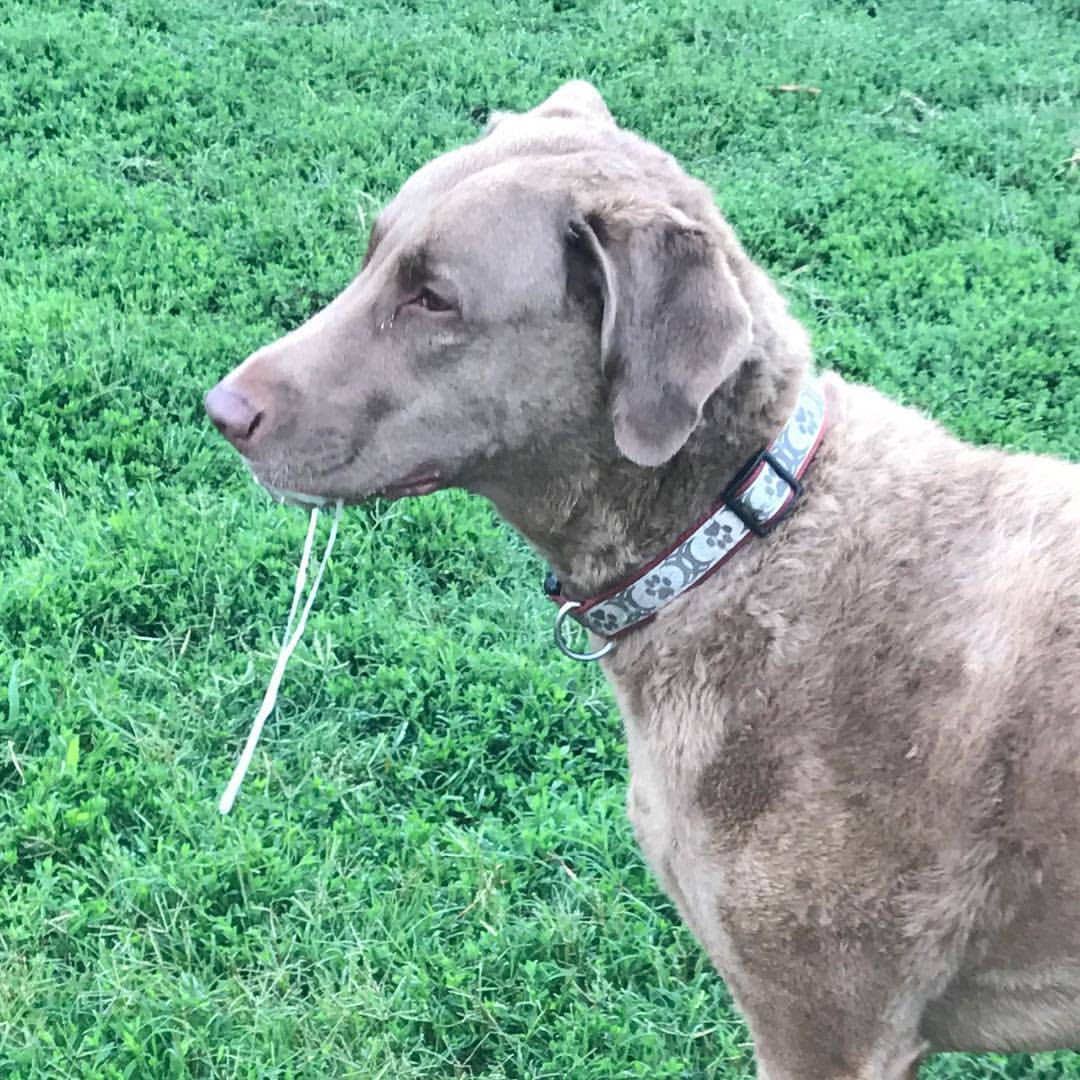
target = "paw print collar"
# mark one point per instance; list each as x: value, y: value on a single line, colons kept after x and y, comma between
x: 762, y: 494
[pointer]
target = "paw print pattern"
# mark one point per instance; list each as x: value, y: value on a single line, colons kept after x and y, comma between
x: 607, y: 619
x: 807, y: 423
x: 802, y: 429
x: 659, y: 586
x: 710, y: 544
x: 719, y: 534
x: 775, y: 489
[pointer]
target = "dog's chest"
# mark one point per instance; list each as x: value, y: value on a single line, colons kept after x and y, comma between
x: 669, y: 749
x: 677, y: 841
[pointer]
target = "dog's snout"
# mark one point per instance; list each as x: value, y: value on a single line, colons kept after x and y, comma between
x: 233, y: 414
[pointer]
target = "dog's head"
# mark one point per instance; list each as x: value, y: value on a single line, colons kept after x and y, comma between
x: 560, y: 284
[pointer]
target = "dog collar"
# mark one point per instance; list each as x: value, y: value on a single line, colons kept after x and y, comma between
x: 764, y: 491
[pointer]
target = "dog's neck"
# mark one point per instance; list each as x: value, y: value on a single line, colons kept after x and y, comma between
x: 597, y: 521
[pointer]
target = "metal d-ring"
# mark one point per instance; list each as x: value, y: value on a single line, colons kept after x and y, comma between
x: 565, y: 610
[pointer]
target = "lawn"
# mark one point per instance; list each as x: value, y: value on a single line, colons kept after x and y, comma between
x: 429, y: 872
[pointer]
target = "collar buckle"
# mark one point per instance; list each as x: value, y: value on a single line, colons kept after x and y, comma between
x: 733, y: 498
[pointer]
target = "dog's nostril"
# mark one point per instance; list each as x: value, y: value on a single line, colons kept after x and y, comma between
x: 233, y: 414
x: 256, y: 420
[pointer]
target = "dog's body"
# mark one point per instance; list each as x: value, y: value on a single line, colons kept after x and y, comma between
x: 854, y: 750
x: 875, y: 832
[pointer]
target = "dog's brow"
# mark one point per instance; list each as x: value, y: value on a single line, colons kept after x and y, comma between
x: 415, y: 266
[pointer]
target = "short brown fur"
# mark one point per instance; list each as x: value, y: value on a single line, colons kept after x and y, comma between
x: 855, y: 751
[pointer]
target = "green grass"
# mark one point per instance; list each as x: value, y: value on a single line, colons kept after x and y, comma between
x: 429, y: 872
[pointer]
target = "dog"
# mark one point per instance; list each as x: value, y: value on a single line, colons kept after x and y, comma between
x: 845, y: 645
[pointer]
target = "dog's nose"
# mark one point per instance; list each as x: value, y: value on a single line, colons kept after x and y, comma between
x: 233, y: 414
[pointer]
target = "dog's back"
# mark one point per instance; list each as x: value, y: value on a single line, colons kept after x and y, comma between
x: 879, y: 721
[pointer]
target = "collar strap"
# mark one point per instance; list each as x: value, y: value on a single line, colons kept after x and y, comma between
x: 762, y: 494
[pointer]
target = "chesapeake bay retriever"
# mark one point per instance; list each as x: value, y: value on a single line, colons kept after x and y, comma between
x: 855, y: 749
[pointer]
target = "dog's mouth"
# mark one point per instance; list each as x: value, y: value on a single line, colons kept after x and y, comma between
x: 421, y: 481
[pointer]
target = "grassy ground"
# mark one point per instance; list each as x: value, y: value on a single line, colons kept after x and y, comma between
x: 429, y: 873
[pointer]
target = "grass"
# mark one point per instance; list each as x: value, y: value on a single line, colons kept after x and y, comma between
x: 429, y: 872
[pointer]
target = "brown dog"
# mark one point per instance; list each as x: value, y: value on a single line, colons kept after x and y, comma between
x: 855, y: 748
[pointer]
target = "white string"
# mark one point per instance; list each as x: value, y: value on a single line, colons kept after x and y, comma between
x: 301, y: 573
x: 288, y: 645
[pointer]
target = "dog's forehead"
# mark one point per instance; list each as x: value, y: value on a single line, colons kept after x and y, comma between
x: 519, y: 200
x: 522, y: 152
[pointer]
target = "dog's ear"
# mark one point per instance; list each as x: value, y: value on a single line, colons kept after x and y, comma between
x: 573, y: 100
x: 495, y: 118
x: 675, y: 323
x: 576, y: 99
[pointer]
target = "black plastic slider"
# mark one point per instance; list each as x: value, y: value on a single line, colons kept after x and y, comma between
x: 743, y: 512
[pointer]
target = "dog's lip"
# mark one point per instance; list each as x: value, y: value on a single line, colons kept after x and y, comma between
x: 422, y: 481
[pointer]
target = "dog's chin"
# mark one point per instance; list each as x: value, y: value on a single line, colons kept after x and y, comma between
x: 420, y: 482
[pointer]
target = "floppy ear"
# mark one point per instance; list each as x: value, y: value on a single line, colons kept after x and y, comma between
x: 675, y: 324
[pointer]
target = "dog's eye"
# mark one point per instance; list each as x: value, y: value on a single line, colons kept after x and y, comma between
x: 430, y: 301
